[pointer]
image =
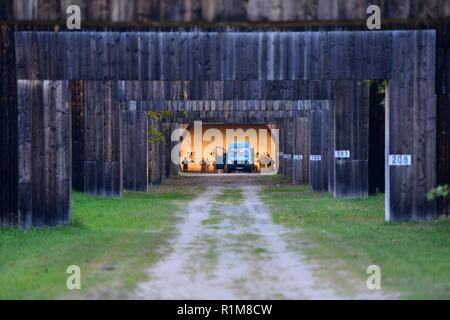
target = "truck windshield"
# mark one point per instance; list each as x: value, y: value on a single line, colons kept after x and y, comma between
x: 239, y: 151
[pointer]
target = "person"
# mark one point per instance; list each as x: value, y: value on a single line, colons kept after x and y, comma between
x: 257, y: 162
x: 211, y: 161
x: 185, y: 165
x: 203, y: 165
x: 270, y: 161
x: 224, y: 161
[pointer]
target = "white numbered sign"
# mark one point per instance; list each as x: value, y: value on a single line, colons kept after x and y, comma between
x: 342, y: 154
x: 298, y: 157
x: 287, y: 156
x: 315, y: 157
x: 400, y: 160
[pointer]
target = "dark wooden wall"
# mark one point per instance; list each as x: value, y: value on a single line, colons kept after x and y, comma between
x: 301, y: 151
x: 100, y: 139
x: 8, y: 130
x: 133, y: 11
x: 231, y: 111
x: 412, y: 127
x: 157, y: 153
x: 351, y: 100
x: 135, y: 149
x: 206, y: 56
x: 245, y: 90
x: 44, y: 153
x: 279, y: 158
x: 288, y: 148
x: 78, y: 141
x: 320, y: 144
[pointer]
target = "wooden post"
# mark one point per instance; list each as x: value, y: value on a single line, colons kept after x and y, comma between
x: 411, y: 127
x: 288, y: 148
x: 167, y: 156
x: 102, y: 140
x: 76, y: 105
x: 301, y: 151
x: 351, y: 100
x: 135, y: 150
x: 280, y: 156
x: 44, y: 153
x: 319, y: 146
x: 156, y: 149
x: 8, y: 130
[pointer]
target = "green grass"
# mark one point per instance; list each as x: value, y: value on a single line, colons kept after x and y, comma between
x: 211, y: 221
x: 414, y: 257
x: 111, y: 240
x: 230, y: 196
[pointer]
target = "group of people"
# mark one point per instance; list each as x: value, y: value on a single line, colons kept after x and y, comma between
x: 262, y: 162
x: 204, y: 164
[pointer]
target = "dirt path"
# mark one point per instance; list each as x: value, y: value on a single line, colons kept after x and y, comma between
x: 229, y: 248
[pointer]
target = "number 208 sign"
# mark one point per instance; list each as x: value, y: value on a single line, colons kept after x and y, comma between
x: 400, y: 160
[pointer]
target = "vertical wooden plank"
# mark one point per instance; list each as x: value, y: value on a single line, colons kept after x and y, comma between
x: 9, y: 165
x: 411, y: 126
x: 102, y: 139
x: 155, y: 154
x: 44, y: 153
x: 280, y: 156
x: 318, y: 174
x: 78, y: 124
x: 25, y: 197
x: 288, y: 148
x: 135, y: 150
x: 351, y: 134
x: 301, y: 151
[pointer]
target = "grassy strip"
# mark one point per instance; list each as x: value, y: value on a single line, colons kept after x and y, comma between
x: 112, y: 240
x: 230, y: 196
x: 414, y: 257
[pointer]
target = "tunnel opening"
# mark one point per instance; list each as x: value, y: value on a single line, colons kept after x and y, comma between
x: 218, y: 148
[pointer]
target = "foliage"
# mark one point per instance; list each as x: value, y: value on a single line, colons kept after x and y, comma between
x: 382, y: 87
x: 381, y: 90
x: 158, y: 115
x: 155, y: 135
x: 442, y: 191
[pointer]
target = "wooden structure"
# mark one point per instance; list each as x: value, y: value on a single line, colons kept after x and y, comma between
x: 320, y: 148
x: 135, y: 149
x: 43, y: 153
x: 351, y: 170
x: 8, y: 130
x: 219, y: 111
x: 97, y: 119
x: 119, y: 66
x: 301, y: 151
